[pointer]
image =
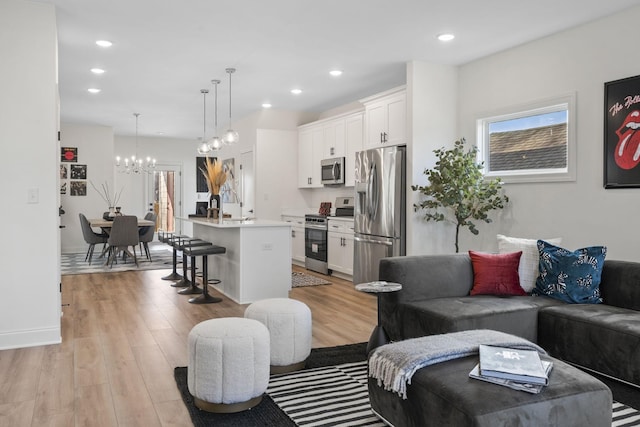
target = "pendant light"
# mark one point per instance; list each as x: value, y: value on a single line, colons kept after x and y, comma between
x: 215, y: 143
x: 135, y: 164
x: 203, y: 148
x: 231, y: 136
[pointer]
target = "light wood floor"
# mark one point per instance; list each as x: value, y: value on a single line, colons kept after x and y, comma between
x: 123, y: 333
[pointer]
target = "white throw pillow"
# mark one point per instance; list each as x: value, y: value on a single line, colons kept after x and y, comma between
x: 528, y: 269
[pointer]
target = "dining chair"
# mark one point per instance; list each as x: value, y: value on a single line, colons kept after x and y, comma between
x: 124, y: 233
x: 145, y: 234
x: 91, y: 237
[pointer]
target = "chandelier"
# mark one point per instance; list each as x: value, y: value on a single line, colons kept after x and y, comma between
x: 135, y: 164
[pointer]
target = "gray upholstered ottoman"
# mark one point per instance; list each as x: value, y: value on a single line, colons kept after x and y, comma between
x: 444, y: 395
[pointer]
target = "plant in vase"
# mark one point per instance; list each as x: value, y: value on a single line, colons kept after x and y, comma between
x: 215, y: 176
x: 109, y: 198
x: 458, y: 187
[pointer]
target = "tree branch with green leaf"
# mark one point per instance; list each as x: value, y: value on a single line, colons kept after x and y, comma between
x: 458, y: 191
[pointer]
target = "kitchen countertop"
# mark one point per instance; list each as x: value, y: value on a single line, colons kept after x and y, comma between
x: 236, y: 222
x: 341, y: 218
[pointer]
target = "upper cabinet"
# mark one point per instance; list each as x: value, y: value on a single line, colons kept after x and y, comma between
x: 383, y: 122
x: 386, y: 118
x: 310, y: 152
x: 339, y: 136
x: 334, y: 139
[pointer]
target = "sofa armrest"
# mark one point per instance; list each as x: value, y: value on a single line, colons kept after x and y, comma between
x: 620, y: 284
x: 422, y: 277
x: 429, y: 276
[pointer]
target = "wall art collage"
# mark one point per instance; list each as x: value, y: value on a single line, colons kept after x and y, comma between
x: 73, y: 176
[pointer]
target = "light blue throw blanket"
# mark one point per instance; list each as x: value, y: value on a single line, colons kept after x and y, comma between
x: 393, y: 365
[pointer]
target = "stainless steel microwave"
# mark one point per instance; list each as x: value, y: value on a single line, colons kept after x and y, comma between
x: 332, y: 171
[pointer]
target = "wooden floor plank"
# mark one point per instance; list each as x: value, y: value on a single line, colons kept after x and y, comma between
x: 20, y: 379
x: 55, y: 395
x: 89, y: 363
x: 94, y: 406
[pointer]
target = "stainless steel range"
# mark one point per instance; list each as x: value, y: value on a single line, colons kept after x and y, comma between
x: 315, y: 243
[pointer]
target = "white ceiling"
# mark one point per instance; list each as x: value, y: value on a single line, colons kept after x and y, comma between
x: 165, y: 51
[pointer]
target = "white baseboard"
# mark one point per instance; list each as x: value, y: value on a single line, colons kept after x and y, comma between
x: 31, y: 338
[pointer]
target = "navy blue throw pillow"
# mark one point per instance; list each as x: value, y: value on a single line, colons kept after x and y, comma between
x: 572, y: 277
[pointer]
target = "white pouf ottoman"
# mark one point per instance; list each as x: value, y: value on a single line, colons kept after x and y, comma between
x: 228, y: 364
x: 289, y: 324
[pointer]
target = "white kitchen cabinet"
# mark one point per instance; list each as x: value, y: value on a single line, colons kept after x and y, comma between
x: 310, y: 152
x: 297, y: 238
x: 354, y: 138
x: 340, y: 246
x: 386, y: 118
x: 334, y: 139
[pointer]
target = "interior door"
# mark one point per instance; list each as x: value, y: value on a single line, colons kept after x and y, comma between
x: 247, y: 185
x: 164, y: 195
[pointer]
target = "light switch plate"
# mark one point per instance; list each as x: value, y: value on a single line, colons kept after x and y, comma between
x: 33, y: 195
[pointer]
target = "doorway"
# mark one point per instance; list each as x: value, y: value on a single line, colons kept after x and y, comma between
x: 164, y: 196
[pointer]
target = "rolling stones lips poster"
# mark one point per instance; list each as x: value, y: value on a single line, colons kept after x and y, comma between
x: 622, y: 133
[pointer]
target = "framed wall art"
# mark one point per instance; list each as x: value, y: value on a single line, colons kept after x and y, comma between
x: 622, y: 133
x: 78, y: 171
x: 78, y: 188
x: 68, y: 154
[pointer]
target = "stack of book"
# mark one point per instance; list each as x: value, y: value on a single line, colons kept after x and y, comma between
x: 514, y: 368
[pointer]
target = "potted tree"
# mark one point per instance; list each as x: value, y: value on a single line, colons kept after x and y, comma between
x: 458, y: 191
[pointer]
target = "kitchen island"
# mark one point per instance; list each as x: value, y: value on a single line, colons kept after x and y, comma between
x: 257, y: 264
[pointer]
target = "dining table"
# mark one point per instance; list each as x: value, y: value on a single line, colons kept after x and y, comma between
x: 105, y: 224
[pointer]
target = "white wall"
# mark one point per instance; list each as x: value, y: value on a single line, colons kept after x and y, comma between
x: 276, y: 161
x: 580, y: 60
x: 30, y: 302
x: 95, y: 149
x: 432, y: 122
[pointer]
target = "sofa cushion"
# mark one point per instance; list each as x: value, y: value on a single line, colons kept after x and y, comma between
x: 496, y: 274
x: 528, y: 268
x: 515, y: 315
x: 573, y: 277
x: 600, y: 337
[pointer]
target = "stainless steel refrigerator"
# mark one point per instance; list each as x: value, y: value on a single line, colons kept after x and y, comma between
x: 380, y: 209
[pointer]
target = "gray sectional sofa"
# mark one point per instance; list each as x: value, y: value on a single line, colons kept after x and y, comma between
x: 435, y: 299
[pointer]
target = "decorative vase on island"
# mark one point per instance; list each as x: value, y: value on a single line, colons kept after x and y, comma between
x: 112, y: 212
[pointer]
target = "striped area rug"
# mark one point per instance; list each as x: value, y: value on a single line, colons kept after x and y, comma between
x: 337, y: 396
x: 334, y: 395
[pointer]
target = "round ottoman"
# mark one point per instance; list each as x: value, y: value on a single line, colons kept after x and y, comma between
x: 228, y: 367
x: 289, y: 324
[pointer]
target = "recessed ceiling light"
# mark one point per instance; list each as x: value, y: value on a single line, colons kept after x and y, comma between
x: 446, y: 37
x: 335, y: 73
x: 104, y: 43
x: 266, y: 105
x: 94, y: 90
x: 97, y: 71
x: 296, y: 91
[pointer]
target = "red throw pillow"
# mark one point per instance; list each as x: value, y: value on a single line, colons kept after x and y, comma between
x: 496, y: 274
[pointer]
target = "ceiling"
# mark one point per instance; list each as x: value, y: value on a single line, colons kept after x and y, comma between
x: 165, y: 51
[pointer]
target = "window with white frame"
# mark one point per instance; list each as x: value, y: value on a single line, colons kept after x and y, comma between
x: 530, y: 143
